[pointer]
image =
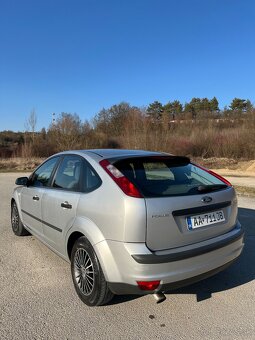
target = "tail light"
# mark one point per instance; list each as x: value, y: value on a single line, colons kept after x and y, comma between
x: 224, y: 180
x: 123, y: 182
x: 148, y: 285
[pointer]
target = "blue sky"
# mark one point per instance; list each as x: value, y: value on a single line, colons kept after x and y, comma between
x: 82, y: 55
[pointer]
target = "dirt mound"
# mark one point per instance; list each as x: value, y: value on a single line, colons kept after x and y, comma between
x: 251, y: 167
x: 228, y: 166
x: 218, y: 163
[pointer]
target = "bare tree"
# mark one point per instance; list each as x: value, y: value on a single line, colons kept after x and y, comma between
x: 31, y: 123
x: 66, y: 131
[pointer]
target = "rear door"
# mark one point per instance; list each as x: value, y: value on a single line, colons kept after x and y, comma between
x: 185, y: 204
x: 180, y: 214
x: 167, y: 221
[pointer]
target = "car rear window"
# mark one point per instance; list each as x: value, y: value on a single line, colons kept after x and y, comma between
x: 167, y: 176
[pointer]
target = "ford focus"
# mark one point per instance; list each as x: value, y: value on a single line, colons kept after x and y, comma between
x: 129, y: 221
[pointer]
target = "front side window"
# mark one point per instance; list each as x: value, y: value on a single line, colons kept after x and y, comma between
x: 42, y: 176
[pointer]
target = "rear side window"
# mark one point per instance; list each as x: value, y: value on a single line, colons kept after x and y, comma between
x: 69, y: 173
x: 76, y: 174
x: 167, y: 176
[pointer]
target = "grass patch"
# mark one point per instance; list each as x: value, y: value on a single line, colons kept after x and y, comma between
x: 19, y: 164
x: 245, y: 191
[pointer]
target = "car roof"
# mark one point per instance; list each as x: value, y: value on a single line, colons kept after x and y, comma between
x: 99, y: 154
x: 122, y: 152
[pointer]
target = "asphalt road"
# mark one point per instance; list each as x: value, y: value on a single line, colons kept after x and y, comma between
x: 38, y: 301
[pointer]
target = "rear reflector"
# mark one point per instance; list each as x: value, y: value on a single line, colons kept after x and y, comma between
x: 123, y: 182
x: 148, y: 285
x: 224, y: 180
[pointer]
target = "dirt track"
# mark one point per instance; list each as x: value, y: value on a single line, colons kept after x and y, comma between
x: 242, y: 181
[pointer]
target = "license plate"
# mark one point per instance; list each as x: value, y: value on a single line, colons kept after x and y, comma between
x: 203, y: 220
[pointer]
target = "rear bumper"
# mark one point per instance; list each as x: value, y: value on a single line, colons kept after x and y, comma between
x: 124, y: 264
x: 181, y: 254
x: 123, y: 288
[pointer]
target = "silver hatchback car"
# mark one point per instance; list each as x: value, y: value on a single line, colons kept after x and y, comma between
x: 129, y: 221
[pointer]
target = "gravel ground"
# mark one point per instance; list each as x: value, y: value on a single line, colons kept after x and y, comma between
x: 242, y: 181
x: 38, y: 301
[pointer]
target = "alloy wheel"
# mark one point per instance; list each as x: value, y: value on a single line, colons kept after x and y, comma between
x: 84, y: 271
x: 15, y: 218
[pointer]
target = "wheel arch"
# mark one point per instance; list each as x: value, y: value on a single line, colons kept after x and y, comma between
x: 83, y: 227
x: 71, y: 241
x: 15, y: 199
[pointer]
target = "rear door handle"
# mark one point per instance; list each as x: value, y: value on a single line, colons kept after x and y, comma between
x: 36, y: 198
x: 66, y: 205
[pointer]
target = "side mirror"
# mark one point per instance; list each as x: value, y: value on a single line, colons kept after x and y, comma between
x: 21, y: 181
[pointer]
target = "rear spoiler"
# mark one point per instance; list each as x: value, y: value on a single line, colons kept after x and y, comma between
x: 170, y: 159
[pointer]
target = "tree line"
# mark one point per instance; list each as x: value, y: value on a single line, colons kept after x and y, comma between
x: 198, y: 107
x: 195, y: 128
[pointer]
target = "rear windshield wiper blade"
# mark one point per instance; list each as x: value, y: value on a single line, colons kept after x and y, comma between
x: 212, y: 187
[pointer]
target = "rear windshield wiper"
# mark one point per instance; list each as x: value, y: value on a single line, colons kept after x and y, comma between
x: 212, y: 187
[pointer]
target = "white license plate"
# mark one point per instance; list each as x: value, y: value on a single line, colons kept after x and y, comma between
x: 202, y: 220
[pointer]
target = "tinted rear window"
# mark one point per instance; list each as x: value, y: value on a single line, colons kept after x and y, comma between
x: 173, y: 176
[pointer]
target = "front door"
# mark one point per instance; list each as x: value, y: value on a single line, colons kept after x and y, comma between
x: 31, y: 196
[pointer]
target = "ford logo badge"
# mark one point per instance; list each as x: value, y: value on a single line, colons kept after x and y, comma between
x: 206, y: 199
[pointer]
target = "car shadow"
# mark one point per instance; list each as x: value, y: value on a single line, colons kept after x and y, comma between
x: 240, y: 272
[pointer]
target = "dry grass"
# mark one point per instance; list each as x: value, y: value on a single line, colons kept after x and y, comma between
x: 245, y: 191
x: 204, y: 139
x: 218, y: 163
x: 17, y: 164
x: 215, y: 144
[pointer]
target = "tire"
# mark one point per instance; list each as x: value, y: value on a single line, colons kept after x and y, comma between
x: 87, y: 275
x: 16, y: 223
